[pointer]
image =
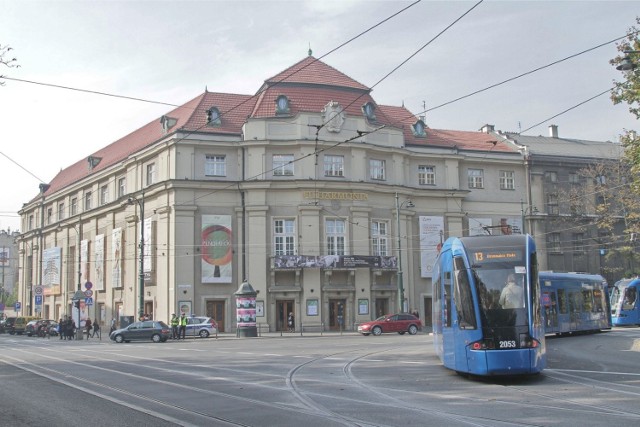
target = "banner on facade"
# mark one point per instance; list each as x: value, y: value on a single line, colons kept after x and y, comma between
x: 147, y: 263
x: 84, y: 261
x: 216, y: 249
x: 98, y: 263
x: 52, y: 264
x: 116, y: 258
x: 431, y: 235
x: 335, y: 261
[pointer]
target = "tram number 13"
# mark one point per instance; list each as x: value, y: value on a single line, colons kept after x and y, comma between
x: 508, y: 344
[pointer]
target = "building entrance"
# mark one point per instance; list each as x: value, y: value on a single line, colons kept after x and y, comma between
x: 337, y: 315
x: 382, y: 307
x: 283, y: 308
x: 215, y: 310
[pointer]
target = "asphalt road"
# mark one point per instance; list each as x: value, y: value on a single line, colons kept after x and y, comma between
x: 333, y: 379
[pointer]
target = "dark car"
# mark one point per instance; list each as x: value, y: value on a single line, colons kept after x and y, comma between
x: 400, y: 323
x: 7, y: 324
x: 33, y: 327
x: 148, y: 330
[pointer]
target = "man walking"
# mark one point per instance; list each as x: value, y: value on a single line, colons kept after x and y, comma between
x: 183, y: 326
x: 174, y: 326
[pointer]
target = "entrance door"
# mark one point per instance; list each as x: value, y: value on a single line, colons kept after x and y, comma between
x: 283, y: 308
x: 382, y: 307
x: 428, y: 322
x: 215, y: 310
x: 148, y: 309
x: 337, y: 314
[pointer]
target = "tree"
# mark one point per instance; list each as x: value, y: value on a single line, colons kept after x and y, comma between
x: 6, y: 60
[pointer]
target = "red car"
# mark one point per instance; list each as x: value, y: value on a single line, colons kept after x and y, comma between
x: 400, y: 323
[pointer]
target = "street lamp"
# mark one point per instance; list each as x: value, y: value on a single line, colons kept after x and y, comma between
x: 78, y: 295
x: 409, y: 204
x: 130, y: 201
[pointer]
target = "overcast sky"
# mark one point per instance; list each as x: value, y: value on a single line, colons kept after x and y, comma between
x: 169, y: 51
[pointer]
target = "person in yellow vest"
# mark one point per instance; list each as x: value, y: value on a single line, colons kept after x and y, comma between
x: 174, y: 326
x: 182, y: 322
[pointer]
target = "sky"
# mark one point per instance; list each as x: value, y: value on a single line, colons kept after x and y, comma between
x: 168, y: 52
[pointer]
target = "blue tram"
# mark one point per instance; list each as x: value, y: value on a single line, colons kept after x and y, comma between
x: 574, y: 302
x: 625, y: 302
x: 486, y: 317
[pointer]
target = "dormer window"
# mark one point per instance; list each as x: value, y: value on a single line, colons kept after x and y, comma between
x: 93, y: 161
x: 213, y: 117
x: 167, y: 123
x: 282, y: 105
x: 369, y: 110
x: 418, y: 129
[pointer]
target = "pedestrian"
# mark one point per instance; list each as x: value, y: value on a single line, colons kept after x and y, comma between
x: 96, y: 328
x: 59, y: 328
x: 182, y: 322
x: 87, y: 326
x: 113, y: 325
x: 291, y: 322
x: 512, y: 295
x: 174, y: 326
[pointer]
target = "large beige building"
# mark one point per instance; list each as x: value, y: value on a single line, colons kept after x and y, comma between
x: 330, y: 205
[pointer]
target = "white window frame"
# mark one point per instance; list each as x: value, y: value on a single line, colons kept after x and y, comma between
x: 282, y: 164
x: 336, y: 236
x: 61, y: 212
x: 426, y: 175
x: 553, y: 244
x: 377, y: 169
x: 122, y: 187
x: 74, y: 206
x: 333, y: 165
x: 507, y: 180
x: 475, y: 178
x: 88, y: 200
x: 284, y: 236
x: 215, y: 165
x: 151, y: 174
x: 380, y: 238
x: 104, y: 195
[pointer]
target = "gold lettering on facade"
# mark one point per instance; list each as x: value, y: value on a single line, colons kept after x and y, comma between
x: 334, y: 195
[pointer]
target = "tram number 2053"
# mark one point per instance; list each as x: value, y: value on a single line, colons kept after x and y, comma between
x: 507, y: 344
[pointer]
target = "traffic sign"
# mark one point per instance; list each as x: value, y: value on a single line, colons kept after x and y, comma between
x: 37, y: 289
x: 88, y: 293
x: 38, y: 299
x: 88, y: 285
x: 88, y: 301
x: 18, y: 306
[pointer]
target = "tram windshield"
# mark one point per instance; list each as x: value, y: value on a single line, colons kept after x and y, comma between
x: 623, y: 296
x: 501, y: 292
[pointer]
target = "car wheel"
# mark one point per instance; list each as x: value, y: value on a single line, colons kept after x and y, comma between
x: 156, y: 338
x: 401, y: 332
x: 366, y: 335
x: 377, y: 330
x: 204, y: 333
x: 119, y: 339
x: 413, y: 329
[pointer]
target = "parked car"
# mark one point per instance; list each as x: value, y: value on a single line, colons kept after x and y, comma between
x: 20, y: 324
x: 201, y: 326
x: 34, y: 325
x: 148, y: 330
x: 7, y: 324
x: 400, y: 323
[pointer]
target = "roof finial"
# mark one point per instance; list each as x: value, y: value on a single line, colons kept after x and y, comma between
x: 206, y: 89
x: 310, y: 51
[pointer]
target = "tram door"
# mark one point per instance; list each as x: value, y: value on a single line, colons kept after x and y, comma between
x: 215, y: 310
x: 382, y: 307
x: 428, y: 309
x: 337, y: 315
x: 283, y: 308
x: 550, y: 311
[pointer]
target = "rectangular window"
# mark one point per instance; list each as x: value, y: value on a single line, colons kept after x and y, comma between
x: 380, y: 238
x: 87, y: 201
x: 476, y: 178
x: 151, y: 174
x: 376, y: 170
x: 49, y: 215
x: 335, y: 231
x: 554, y: 242
x: 215, y: 165
x: 122, y: 187
x: 284, y: 237
x: 30, y: 226
x: 552, y: 204
x: 551, y: 176
x: 61, y: 211
x: 282, y: 165
x: 574, y: 179
x: 578, y: 243
x: 74, y: 206
x: 333, y: 165
x: 507, y: 180
x: 601, y: 180
x: 104, y: 195
x: 427, y: 175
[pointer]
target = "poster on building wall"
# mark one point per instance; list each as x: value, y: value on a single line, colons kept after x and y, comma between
x: 84, y: 261
x: 509, y: 225
x: 431, y: 234
x: 148, y: 248
x: 480, y: 226
x: 51, y: 269
x: 98, y: 263
x: 116, y: 258
x: 216, y: 249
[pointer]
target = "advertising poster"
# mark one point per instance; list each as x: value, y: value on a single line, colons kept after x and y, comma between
x: 431, y: 234
x: 52, y: 264
x: 116, y: 258
x: 84, y: 261
x: 480, y: 226
x: 98, y: 263
x: 148, y: 243
x: 312, y: 307
x: 246, y: 311
x: 216, y: 249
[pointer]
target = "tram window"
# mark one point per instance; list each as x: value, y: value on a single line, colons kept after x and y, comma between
x: 575, y: 301
x: 598, y: 301
x: 587, y: 300
x: 447, y: 304
x: 630, y: 296
x: 463, y: 297
x: 562, y: 302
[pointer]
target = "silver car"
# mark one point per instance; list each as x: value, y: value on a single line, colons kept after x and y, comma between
x: 201, y: 326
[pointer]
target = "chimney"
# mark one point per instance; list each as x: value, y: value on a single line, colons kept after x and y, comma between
x: 553, y: 131
x: 487, y: 129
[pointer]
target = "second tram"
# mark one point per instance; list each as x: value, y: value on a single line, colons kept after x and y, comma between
x: 486, y: 317
x: 625, y: 302
x: 574, y: 302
